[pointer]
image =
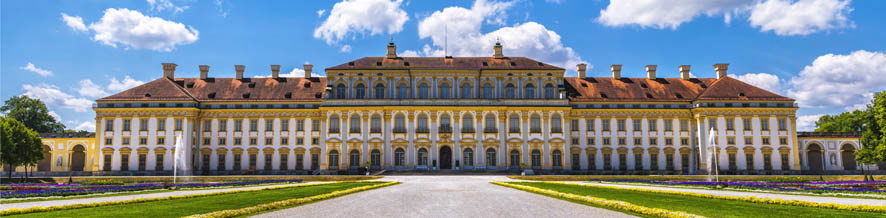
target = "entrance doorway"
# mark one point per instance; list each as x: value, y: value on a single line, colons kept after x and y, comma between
x: 78, y: 158
x: 445, y: 157
x: 847, y: 153
x: 813, y: 153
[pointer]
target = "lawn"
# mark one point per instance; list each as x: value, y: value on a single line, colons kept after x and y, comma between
x: 699, y: 206
x: 199, y: 205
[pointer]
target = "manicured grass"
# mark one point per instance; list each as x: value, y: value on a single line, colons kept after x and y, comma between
x: 699, y: 206
x: 111, y: 194
x: 199, y: 205
x: 692, y: 177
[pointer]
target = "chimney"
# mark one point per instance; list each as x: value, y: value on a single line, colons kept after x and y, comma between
x: 582, y: 69
x: 275, y: 71
x: 650, y: 71
x: 239, y: 69
x: 721, y: 70
x: 204, y: 72
x: 616, y: 71
x: 392, y: 50
x: 684, y: 72
x: 169, y: 70
x: 308, y: 68
x: 496, y: 50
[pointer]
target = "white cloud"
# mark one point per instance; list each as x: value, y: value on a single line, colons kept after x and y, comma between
x: 807, y: 122
x: 463, y: 27
x: 163, y: 5
x: 54, y: 115
x: 74, y: 22
x: 133, y: 29
x: 408, y: 53
x: 371, y: 17
x: 219, y: 6
x: 801, y: 17
x: 87, y: 126
x: 345, y: 49
x: 321, y: 12
x: 667, y: 14
x: 765, y: 81
x: 90, y: 89
x: 33, y: 68
x: 54, y: 97
x: 126, y: 83
x: 840, y: 81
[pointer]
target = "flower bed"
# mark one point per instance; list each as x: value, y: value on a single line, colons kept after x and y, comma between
x: 46, y: 190
x: 875, y: 187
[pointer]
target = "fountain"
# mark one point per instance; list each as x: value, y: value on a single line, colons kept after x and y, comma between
x: 180, y: 162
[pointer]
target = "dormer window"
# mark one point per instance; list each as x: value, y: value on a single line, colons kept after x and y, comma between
x: 211, y: 95
x: 485, y: 64
x: 308, y: 85
x: 359, y: 74
x: 147, y: 95
x: 540, y: 64
x: 406, y: 63
x: 603, y: 95
x: 191, y: 85
x: 648, y: 95
x: 251, y: 85
x: 380, y: 74
x: 679, y: 96
x: 643, y: 85
x: 513, y: 64
x: 529, y: 74
x: 246, y: 95
x: 741, y: 94
x: 288, y: 95
x: 350, y: 63
x: 378, y: 63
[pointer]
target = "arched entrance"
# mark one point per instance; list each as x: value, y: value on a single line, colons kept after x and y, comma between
x: 847, y: 153
x: 45, y: 164
x: 515, y: 159
x: 375, y: 159
x: 813, y: 154
x: 78, y: 158
x: 445, y: 157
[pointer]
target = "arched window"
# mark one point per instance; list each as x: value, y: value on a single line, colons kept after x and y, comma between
x: 341, y: 92
x: 380, y: 91
x: 375, y: 159
x: 515, y: 158
x: 422, y: 157
x: 360, y: 91
x: 445, y: 126
x: 399, y: 157
x: 355, y: 124
x: 535, y: 124
x: 557, y: 158
x: 375, y: 124
x: 423, y: 91
x: 422, y: 124
x: 333, y: 159
x: 467, y: 124
x: 490, y: 124
x: 467, y: 91
x: 355, y: 158
x: 402, y: 91
x: 488, y: 91
x: 468, y: 155
x: 556, y: 124
x: 444, y: 90
x: 399, y: 123
x: 514, y: 124
x: 536, y: 159
x: 490, y: 157
x: 550, y: 93
x: 510, y: 91
x: 334, y: 124
x: 529, y: 92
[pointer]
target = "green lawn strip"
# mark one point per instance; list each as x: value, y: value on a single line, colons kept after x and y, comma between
x: 198, y: 205
x: 697, y: 205
x: 111, y: 194
x: 878, y: 196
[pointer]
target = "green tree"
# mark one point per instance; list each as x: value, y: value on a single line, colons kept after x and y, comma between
x: 21, y: 145
x: 874, y: 136
x: 845, y: 122
x: 32, y: 113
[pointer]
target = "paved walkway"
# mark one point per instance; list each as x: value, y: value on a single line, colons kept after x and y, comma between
x: 846, y: 201
x: 47, y: 203
x: 444, y: 196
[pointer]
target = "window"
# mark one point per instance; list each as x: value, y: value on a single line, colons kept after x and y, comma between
x: 782, y: 124
x: 535, y: 124
x: 341, y: 92
x: 238, y: 141
x: 222, y: 141
x: 253, y: 125
x: 514, y: 124
x: 670, y: 141
x: 638, y: 141
x: 765, y: 140
x: 730, y: 123
x: 748, y: 140
x: 487, y: 91
x: 315, y: 125
x: 354, y: 127
x: 620, y: 125
x: 161, y: 141
x: 466, y: 91
x: 589, y: 124
x: 684, y: 125
x: 402, y: 91
x: 607, y: 161
x: 712, y: 123
x: 653, y: 141
x: 767, y: 161
x: 300, y: 125
x: 591, y: 141
x: 238, y: 125
x: 333, y: 159
x: 490, y: 124
x: 575, y: 141
x: 573, y: 125
x: 238, y: 161
x: 126, y: 124
x: 422, y: 124
x: 315, y: 141
x: 529, y: 91
x: 536, y: 159
x: 669, y: 125
x: 592, y: 161
x: 422, y: 157
x: 269, y: 125
x: 299, y: 141
x: 576, y: 162
x: 399, y: 157
x: 178, y: 124
x: 126, y: 141
x: 653, y: 125
x: 253, y: 141
x: 556, y: 124
x: 490, y: 157
x: 143, y: 140
x: 299, y: 161
x: 622, y: 141
x: 106, y: 166
x: 375, y: 124
x: 444, y: 90
x: 638, y: 161
x: 379, y: 91
x: 730, y: 140
x: 606, y: 141
x: 468, y: 157
x: 746, y: 124
x: 637, y: 125
x: 124, y: 162
x: 399, y: 123
x: 785, y: 163
x: 557, y: 159
x: 782, y: 140
x: 653, y: 161
x: 207, y: 125
x: 109, y: 141
x: 109, y: 125
x: 510, y: 91
x: 764, y: 124
x: 205, y: 164
x: 684, y: 162
x: 423, y: 91
x: 606, y: 125
x: 360, y: 91
x: 623, y: 162
x: 467, y: 123
x: 354, y: 160
x: 550, y: 93
x: 142, y: 125
x: 284, y: 125
x: 158, y: 162
x: 269, y: 141
x: 221, y: 162
x: 222, y: 125
x: 669, y: 162
x: 684, y: 141
x: 515, y: 159
x: 732, y: 163
x: 161, y: 124
x: 749, y: 160
x: 142, y: 162
x: 334, y: 124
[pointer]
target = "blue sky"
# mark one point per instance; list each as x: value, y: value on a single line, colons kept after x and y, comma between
x: 827, y: 54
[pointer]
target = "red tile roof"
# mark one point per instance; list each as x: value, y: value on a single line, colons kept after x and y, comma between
x: 663, y: 89
x: 729, y: 88
x: 454, y: 63
x: 227, y: 89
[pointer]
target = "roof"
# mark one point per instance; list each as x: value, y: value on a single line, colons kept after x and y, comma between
x: 663, y: 89
x: 454, y: 63
x: 68, y: 135
x: 829, y: 134
x: 227, y: 89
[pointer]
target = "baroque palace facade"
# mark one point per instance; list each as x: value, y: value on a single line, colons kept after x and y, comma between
x: 460, y: 113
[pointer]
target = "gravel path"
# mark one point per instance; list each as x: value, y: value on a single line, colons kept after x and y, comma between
x: 444, y: 196
x: 845, y: 201
x: 47, y: 203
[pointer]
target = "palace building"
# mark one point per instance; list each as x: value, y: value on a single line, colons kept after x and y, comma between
x: 460, y: 113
